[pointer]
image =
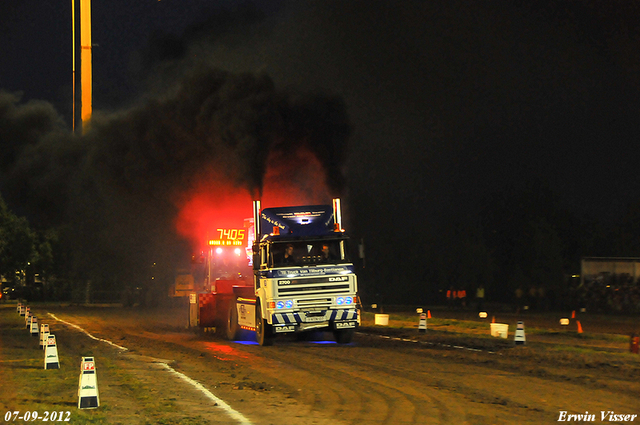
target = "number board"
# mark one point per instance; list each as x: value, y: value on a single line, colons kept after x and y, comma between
x: 228, y: 237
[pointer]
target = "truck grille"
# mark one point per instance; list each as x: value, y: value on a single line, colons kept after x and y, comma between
x: 323, y: 289
x: 315, y: 302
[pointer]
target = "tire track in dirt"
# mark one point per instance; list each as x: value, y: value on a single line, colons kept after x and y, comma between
x: 412, y: 393
x: 400, y: 403
x: 527, y: 397
x: 337, y: 390
x: 372, y: 381
x: 189, y: 354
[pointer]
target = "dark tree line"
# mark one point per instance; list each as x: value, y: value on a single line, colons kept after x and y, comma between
x: 26, y: 256
x: 520, y: 244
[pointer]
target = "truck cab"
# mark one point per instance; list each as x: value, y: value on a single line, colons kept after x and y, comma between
x: 303, y: 277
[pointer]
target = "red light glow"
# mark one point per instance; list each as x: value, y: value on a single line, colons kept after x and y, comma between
x: 213, y: 204
x: 225, y: 352
x: 291, y: 178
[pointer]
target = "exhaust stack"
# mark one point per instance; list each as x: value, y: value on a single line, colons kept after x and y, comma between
x: 256, y: 220
x: 337, y: 215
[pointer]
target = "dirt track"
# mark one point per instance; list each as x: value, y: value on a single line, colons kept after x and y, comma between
x: 374, y: 380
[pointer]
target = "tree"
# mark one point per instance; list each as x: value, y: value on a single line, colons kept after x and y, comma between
x: 17, y: 246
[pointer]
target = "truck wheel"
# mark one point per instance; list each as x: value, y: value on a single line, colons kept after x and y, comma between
x: 343, y: 336
x: 264, y: 336
x: 231, y: 325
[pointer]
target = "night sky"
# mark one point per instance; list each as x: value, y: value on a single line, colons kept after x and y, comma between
x: 451, y: 105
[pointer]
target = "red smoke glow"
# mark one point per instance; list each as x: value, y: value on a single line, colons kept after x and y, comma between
x: 295, y: 178
x: 211, y: 205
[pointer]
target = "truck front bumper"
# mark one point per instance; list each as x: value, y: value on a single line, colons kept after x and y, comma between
x: 298, y: 321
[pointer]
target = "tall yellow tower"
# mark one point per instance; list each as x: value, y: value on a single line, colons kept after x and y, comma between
x: 85, y: 63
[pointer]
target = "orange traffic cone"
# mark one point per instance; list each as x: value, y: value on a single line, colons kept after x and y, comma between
x: 579, y: 327
x: 493, y: 319
x: 428, y: 314
x: 573, y: 314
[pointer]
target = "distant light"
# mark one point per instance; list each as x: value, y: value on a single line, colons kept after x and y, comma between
x: 564, y: 321
x: 575, y: 275
x: 238, y: 251
x: 374, y: 305
x: 218, y: 250
x: 419, y: 310
x: 482, y: 314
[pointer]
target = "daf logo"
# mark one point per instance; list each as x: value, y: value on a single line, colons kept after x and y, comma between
x: 338, y: 279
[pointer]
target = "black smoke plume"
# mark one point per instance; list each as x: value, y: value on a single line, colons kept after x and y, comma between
x: 116, y: 190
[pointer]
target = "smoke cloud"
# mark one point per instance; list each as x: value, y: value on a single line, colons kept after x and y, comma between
x: 172, y: 167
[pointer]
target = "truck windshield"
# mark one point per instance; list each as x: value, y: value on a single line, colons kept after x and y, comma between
x: 305, y: 253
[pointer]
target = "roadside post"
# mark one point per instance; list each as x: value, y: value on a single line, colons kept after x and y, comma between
x: 88, y: 397
x: 51, y: 360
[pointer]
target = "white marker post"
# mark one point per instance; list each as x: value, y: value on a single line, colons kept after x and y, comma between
x: 422, y: 325
x: 51, y: 360
x: 44, y: 333
x: 88, y: 397
x: 520, y: 338
x: 34, y: 326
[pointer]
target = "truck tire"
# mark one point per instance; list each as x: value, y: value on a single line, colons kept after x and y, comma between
x: 264, y: 335
x: 343, y: 336
x: 231, y: 324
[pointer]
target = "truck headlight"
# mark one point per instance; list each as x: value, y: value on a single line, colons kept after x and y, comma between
x: 288, y: 303
x: 280, y: 304
x: 348, y: 300
x: 340, y: 300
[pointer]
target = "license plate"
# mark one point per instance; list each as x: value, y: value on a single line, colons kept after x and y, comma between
x: 314, y: 319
